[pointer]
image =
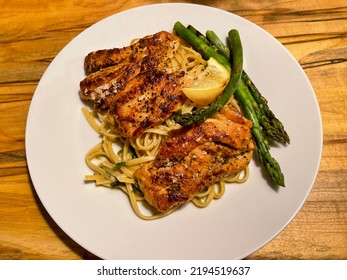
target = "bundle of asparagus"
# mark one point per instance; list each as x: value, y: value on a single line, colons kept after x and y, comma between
x: 254, y: 105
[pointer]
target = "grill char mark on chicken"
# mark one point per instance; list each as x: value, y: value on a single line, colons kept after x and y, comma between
x: 102, y: 86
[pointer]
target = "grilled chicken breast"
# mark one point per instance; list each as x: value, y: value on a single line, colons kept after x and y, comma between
x: 111, y: 69
x: 192, y: 159
x: 133, y: 83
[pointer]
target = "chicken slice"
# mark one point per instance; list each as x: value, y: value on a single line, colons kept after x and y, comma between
x: 161, y: 45
x: 192, y: 159
x: 146, y: 101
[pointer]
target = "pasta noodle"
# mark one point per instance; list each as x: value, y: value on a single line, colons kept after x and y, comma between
x: 115, y: 159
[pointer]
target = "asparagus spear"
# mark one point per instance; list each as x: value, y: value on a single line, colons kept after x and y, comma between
x: 270, y: 125
x: 205, y: 38
x: 273, y: 127
x: 201, y: 115
x: 263, y: 148
x: 215, y: 41
x: 198, y: 33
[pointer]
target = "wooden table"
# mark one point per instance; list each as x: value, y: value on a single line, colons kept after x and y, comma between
x: 33, y: 32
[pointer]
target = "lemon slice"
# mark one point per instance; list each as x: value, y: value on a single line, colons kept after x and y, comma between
x: 209, y: 84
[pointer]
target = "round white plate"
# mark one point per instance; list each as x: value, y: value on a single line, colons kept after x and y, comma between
x: 101, y: 220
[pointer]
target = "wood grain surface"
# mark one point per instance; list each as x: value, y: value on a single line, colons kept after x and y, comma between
x: 32, y: 32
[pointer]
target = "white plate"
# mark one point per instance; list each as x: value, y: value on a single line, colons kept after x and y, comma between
x: 101, y: 220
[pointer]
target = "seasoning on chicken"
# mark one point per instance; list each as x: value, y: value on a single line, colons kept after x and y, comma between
x: 111, y: 69
x: 161, y: 45
x: 192, y: 159
x: 147, y: 101
x: 134, y: 84
x: 100, y: 87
